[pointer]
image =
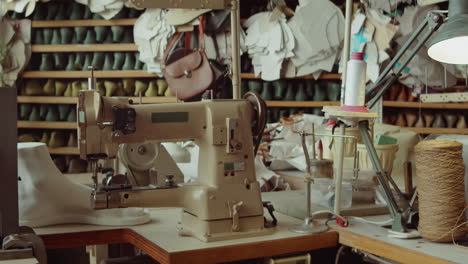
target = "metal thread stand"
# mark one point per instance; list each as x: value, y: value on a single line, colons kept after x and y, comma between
x: 401, y: 216
x: 308, y: 226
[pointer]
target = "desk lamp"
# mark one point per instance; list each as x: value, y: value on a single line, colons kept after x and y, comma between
x: 449, y: 45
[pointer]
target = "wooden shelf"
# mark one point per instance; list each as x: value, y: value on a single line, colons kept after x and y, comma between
x: 74, y: 100
x: 64, y: 151
x: 133, y: 74
x: 46, y: 125
x: 82, y: 23
x: 301, y: 103
x: 86, y: 74
x: 430, y: 130
x: 46, y: 100
x: 324, y: 76
x: 85, y: 47
x: 397, y: 104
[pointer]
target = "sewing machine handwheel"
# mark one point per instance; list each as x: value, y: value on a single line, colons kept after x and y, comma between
x: 259, y: 122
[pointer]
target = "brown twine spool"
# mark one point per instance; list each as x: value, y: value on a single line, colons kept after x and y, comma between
x: 440, y: 179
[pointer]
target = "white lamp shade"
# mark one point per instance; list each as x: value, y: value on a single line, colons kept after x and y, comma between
x: 451, y: 51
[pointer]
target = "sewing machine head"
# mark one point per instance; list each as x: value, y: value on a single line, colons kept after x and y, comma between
x: 225, y: 201
x: 105, y: 122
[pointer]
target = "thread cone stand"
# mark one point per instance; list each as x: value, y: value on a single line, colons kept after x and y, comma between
x: 309, y: 226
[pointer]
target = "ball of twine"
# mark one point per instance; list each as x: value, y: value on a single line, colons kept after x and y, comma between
x: 440, y: 175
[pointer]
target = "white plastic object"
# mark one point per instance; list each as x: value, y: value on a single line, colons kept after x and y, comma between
x: 413, y: 233
x: 323, y: 193
x: 46, y: 197
x: 355, y: 80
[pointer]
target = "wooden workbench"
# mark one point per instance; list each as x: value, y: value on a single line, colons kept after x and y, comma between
x: 160, y: 240
x: 374, y: 239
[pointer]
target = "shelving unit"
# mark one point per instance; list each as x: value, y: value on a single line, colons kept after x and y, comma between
x: 130, y: 47
x: 86, y: 74
x: 139, y: 74
x: 83, y: 23
x: 75, y: 48
x: 430, y: 130
x: 46, y: 100
x: 397, y: 104
x: 324, y: 76
x: 74, y: 100
x: 83, y: 48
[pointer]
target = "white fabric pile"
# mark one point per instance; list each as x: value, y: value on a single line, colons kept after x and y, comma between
x: 151, y: 34
x: 287, y: 152
x: 269, y: 42
x: 19, y: 6
x: 429, y: 2
x: 223, y: 41
x: 15, y: 48
x: 106, y: 8
x: 318, y: 27
x: 389, y: 5
x: 372, y: 33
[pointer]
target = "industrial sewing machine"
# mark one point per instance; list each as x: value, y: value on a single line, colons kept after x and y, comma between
x: 225, y: 202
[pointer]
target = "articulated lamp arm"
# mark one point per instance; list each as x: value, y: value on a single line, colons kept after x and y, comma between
x: 400, y: 216
x: 389, y: 75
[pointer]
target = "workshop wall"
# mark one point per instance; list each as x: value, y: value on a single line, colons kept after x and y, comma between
x: 68, y: 37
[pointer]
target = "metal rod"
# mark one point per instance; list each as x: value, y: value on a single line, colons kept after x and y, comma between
x: 306, y: 154
x: 92, y: 79
x: 356, y: 161
x: 314, y: 154
x: 339, y: 171
x: 331, y: 135
x: 397, y: 189
x: 399, y: 220
x: 94, y: 165
x: 308, y: 202
x: 235, y: 40
x: 308, y: 177
x: 466, y: 75
x: 445, y: 75
x: 346, y: 47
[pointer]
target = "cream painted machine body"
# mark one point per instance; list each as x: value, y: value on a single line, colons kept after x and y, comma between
x: 225, y: 202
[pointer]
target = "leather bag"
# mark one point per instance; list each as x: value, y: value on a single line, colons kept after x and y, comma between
x: 191, y: 74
